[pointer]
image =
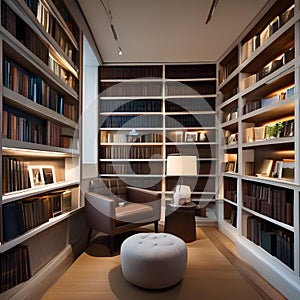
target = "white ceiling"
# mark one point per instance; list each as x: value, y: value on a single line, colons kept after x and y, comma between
x: 168, y: 30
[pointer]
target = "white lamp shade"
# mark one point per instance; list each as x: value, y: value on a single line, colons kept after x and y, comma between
x: 181, y: 165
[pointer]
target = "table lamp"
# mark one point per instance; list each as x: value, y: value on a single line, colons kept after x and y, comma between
x: 178, y: 165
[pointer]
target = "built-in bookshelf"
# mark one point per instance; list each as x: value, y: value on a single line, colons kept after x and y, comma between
x: 40, y: 147
x: 259, y: 113
x: 147, y: 112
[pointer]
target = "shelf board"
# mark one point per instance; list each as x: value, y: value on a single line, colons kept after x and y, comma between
x: 275, y: 141
x: 276, y: 109
x: 12, y: 147
x: 132, y: 144
x: 230, y: 125
x: 156, y: 129
x: 130, y: 160
x: 19, y: 101
x: 284, y: 183
x: 230, y: 202
x: 111, y: 98
x: 190, y: 79
x: 208, y: 112
x: 18, y: 195
x: 190, y: 96
x: 137, y: 80
x: 278, y: 223
x: 33, y: 232
x: 126, y: 113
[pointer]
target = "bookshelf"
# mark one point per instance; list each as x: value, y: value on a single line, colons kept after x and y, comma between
x: 147, y: 112
x: 258, y: 110
x: 40, y: 146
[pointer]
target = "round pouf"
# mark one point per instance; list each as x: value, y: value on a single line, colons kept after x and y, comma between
x: 153, y: 260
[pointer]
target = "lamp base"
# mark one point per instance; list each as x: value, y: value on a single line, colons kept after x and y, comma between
x: 182, y: 195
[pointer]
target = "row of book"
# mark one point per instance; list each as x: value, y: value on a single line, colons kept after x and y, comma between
x: 34, y: 88
x: 191, y: 88
x: 63, y: 74
x: 188, y: 104
x: 152, y: 168
x: 70, y: 22
x: 149, y: 105
x: 23, y: 215
x: 271, y: 202
x: 52, y: 26
x: 190, y: 120
x: 203, y: 151
x: 23, y: 33
x: 230, y: 189
x: 202, y: 184
x: 261, y: 103
x: 20, y: 126
x: 269, y: 68
x: 130, y: 72
x: 130, y: 137
x: 275, y: 130
x: 142, y: 121
x: 190, y: 71
x: 14, y: 267
x: 15, y: 174
x: 228, y: 66
x: 261, y: 37
x: 130, y: 152
x: 130, y: 89
x: 277, y: 242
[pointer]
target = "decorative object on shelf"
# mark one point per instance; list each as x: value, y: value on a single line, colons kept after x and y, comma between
x: 203, y: 136
x: 132, y: 136
x: 179, y: 136
x: 178, y: 165
x: 191, y: 136
x: 48, y: 173
x: 230, y: 166
x: 36, y: 176
x: 274, y: 130
x: 232, y: 139
x: 266, y: 168
x: 287, y: 170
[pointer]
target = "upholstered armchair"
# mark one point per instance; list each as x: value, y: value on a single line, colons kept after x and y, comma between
x: 112, y: 207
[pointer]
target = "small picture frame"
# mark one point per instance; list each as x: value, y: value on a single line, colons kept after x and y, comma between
x: 230, y: 166
x: 191, y: 136
x: 287, y: 170
x: 179, y: 136
x: 36, y: 176
x: 48, y: 174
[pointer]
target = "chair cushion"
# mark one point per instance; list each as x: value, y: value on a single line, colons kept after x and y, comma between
x: 133, y: 212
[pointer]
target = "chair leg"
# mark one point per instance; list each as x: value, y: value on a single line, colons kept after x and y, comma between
x: 156, y: 226
x: 89, y: 236
x: 111, y: 244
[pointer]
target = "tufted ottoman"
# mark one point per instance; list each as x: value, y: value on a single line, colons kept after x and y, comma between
x: 153, y: 260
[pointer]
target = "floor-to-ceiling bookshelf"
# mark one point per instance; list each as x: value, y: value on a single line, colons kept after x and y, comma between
x: 258, y: 107
x: 147, y: 112
x: 40, y: 46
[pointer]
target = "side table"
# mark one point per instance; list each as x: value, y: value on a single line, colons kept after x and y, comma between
x: 180, y: 221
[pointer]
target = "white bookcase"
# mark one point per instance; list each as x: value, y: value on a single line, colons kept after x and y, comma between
x: 167, y: 106
x: 259, y: 87
x: 40, y: 113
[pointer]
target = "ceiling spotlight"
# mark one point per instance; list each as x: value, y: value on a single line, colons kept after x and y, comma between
x: 120, y: 52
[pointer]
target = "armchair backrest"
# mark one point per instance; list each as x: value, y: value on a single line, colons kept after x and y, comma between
x: 109, y: 187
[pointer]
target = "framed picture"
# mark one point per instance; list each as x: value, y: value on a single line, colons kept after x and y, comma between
x: 232, y: 139
x: 48, y: 174
x: 191, y: 136
x: 35, y: 175
x: 277, y: 169
x: 287, y: 170
x: 179, y: 136
x: 230, y: 166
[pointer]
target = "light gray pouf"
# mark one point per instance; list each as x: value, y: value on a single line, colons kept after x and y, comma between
x: 153, y: 260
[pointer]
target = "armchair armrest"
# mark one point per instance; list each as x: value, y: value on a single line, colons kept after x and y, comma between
x: 100, y: 212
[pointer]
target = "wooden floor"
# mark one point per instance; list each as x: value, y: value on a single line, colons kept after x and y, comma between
x: 214, y: 271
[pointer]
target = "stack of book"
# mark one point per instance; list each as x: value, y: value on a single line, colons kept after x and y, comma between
x: 15, y: 267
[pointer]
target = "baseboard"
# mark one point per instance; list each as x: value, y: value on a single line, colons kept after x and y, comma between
x: 36, y: 286
x: 285, y: 282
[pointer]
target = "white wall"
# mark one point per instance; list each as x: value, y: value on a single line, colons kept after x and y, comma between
x: 89, y: 112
